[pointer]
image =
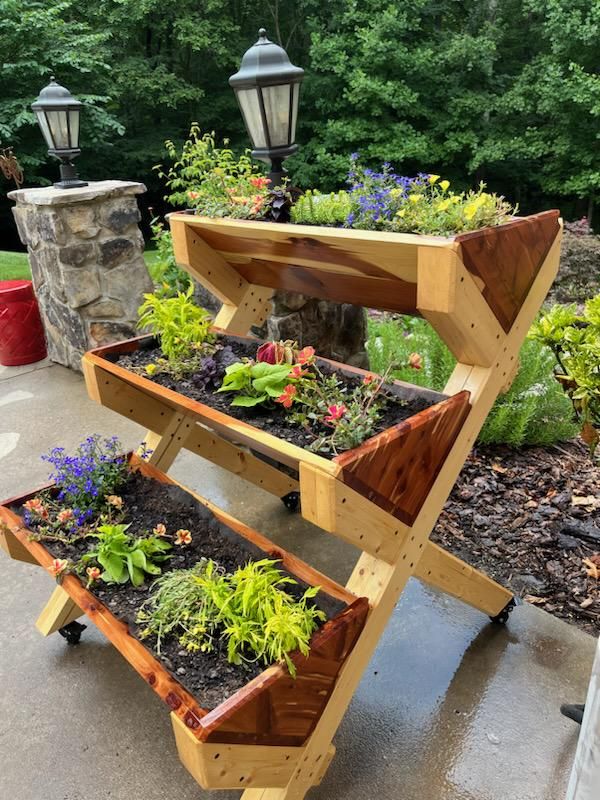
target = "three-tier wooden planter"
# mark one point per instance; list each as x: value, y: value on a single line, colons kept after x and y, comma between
x: 480, y: 291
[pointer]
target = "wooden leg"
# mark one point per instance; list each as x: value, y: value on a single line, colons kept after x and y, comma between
x: 444, y: 571
x: 58, y: 612
x: 13, y: 547
x: 162, y: 449
x: 253, y: 309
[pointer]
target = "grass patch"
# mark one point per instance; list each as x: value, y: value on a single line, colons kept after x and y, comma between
x: 15, y: 266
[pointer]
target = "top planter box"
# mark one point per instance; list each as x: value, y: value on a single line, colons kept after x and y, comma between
x: 406, y: 273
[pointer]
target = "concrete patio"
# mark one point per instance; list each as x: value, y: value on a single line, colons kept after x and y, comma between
x: 451, y: 707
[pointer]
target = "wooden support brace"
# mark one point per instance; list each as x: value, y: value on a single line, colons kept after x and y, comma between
x: 13, y: 547
x: 253, y: 309
x: 58, y: 612
x: 345, y: 513
x: 444, y: 571
x: 449, y: 298
x: 161, y: 449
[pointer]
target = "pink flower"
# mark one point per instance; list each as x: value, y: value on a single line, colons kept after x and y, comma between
x: 159, y: 530
x: 415, y: 360
x: 93, y: 574
x: 369, y: 379
x: 58, y: 566
x: 287, y: 398
x: 183, y: 537
x: 114, y: 500
x: 36, y: 507
x: 193, y: 195
x: 335, y: 413
x: 65, y: 515
x: 306, y: 355
x: 277, y: 352
x: 297, y: 372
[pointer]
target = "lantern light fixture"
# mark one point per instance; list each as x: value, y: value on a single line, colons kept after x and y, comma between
x: 57, y: 113
x: 267, y: 86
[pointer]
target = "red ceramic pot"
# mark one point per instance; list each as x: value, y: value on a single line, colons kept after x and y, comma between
x: 22, y: 338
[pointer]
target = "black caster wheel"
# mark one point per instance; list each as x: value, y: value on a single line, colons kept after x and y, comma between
x: 72, y: 632
x: 291, y: 501
x: 502, y: 617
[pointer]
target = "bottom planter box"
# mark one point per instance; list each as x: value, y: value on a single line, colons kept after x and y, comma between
x: 273, y: 712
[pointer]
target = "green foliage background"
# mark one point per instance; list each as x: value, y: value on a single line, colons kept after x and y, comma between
x: 508, y: 91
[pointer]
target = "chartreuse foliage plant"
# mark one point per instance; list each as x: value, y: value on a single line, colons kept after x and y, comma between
x: 249, y: 609
x: 314, y: 208
x: 182, y: 328
x: 124, y: 557
x: 575, y: 341
x: 170, y: 280
x: 212, y: 180
x: 534, y: 411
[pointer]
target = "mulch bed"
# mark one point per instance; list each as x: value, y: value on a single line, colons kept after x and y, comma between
x: 528, y: 518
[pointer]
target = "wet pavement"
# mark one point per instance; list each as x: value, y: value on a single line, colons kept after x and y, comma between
x: 450, y: 708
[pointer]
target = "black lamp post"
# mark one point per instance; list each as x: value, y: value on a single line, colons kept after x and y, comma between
x: 57, y: 113
x: 267, y: 86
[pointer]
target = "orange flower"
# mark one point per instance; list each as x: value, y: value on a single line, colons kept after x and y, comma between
x: 65, y: 515
x: 93, y: 573
x: 306, y: 355
x: 159, y: 530
x: 183, y: 537
x: 58, y: 566
x: 114, y: 500
x: 297, y: 372
x: 369, y: 379
x: 415, y: 360
x: 287, y: 398
x: 193, y: 195
x: 35, y: 506
x: 260, y: 182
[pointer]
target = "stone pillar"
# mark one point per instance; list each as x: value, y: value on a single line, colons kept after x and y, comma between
x: 335, y: 330
x: 85, y: 251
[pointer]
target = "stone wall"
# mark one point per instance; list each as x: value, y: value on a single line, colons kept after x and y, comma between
x: 85, y: 251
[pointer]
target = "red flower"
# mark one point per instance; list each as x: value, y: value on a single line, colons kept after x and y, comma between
x: 335, y: 413
x: 260, y: 182
x: 58, y: 566
x: 287, y: 398
x: 93, y: 573
x: 277, y: 352
x: 306, y: 355
x: 415, y: 360
x: 183, y: 536
x: 369, y: 379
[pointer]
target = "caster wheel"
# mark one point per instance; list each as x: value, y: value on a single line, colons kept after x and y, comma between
x: 502, y: 617
x: 72, y: 632
x: 291, y: 501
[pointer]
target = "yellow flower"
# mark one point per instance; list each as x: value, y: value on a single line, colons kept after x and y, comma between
x: 443, y: 205
x: 470, y: 211
x: 395, y: 192
x: 414, y: 198
x: 444, y: 185
x: 401, y: 213
x: 433, y: 179
x: 151, y: 369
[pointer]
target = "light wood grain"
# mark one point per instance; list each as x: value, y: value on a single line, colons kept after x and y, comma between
x: 59, y: 611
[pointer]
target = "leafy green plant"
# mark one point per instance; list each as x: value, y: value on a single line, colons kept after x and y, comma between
x: 213, y: 180
x: 314, y: 208
x: 125, y: 558
x: 182, y: 327
x: 249, y: 609
x: 170, y: 280
x: 575, y: 341
x: 533, y: 411
x: 255, y: 383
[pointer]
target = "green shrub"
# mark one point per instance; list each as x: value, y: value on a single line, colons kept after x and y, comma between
x: 533, y: 411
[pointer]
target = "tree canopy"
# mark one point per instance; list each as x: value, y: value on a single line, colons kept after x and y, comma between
x: 507, y: 92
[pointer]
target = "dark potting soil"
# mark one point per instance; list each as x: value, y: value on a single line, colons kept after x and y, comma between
x: 207, y: 676
x: 273, y: 420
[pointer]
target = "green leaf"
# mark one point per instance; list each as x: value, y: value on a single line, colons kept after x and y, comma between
x: 248, y: 402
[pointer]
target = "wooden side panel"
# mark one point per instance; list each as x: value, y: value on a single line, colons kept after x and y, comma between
x: 279, y: 709
x: 397, y: 468
x: 507, y: 259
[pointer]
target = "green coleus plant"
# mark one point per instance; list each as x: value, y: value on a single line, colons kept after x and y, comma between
x: 125, y: 558
x: 575, y: 341
x: 255, y: 382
